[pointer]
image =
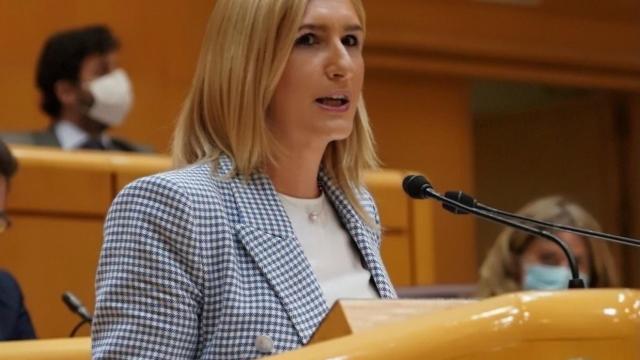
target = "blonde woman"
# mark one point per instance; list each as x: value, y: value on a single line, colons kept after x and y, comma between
x: 243, y: 249
x: 519, y: 261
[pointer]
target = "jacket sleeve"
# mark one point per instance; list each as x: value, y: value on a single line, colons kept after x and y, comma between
x: 149, y: 278
x: 24, y: 328
x: 15, y: 323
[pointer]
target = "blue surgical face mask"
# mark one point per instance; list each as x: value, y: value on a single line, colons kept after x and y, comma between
x: 546, y: 277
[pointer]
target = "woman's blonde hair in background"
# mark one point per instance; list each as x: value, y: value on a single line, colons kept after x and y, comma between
x: 501, y: 269
x: 244, y: 53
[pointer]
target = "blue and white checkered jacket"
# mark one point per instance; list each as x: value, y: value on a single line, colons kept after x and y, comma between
x: 197, y: 266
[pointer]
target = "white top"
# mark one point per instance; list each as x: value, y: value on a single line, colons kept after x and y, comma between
x: 71, y: 136
x: 332, y: 253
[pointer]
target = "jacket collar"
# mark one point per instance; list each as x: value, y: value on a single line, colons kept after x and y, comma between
x: 267, y: 234
x: 366, y: 238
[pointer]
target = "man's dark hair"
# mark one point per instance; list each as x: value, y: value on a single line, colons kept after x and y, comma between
x: 8, y: 163
x: 62, y: 57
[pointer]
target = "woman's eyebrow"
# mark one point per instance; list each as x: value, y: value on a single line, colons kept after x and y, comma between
x: 323, y: 28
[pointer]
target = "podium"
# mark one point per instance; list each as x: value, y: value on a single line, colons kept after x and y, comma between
x: 567, y: 325
x: 47, y: 349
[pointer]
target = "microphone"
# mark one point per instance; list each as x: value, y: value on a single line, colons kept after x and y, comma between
x: 418, y: 187
x: 469, y: 201
x: 76, y: 306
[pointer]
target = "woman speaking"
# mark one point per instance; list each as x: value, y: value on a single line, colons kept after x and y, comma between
x: 241, y: 251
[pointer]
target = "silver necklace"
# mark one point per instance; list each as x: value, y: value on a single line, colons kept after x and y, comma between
x: 314, y: 213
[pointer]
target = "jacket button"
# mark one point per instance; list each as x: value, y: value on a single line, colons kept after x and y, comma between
x: 264, y: 344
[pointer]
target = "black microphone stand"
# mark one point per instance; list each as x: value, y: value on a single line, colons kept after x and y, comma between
x: 419, y: 188
x: 468, y: 200
x: 78, y: 326
x: 77, y: 308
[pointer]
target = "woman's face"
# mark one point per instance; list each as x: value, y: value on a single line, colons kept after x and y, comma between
x: 316, y: 99
x: 547, y: 253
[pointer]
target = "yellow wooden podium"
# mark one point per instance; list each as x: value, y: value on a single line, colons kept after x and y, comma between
x: 47, y: 349
x: 567, y: 325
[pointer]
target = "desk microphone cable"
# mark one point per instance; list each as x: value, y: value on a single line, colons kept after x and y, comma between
x: 76, y: 307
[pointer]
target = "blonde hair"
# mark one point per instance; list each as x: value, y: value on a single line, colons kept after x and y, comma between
x: 499, y: 272
x: 244, y: 53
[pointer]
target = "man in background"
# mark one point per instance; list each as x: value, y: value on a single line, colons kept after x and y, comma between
x: 83, y: 91
x: 15, y: 323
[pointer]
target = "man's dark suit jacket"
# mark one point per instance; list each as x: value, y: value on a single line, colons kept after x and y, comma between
x: 48, y: 138
x: 15, y: 323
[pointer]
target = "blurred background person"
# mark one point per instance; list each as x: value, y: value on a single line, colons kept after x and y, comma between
x: 83, y: 91
x: 15, y: 322
x: 520, y: 261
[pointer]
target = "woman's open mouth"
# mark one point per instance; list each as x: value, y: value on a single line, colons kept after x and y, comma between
x: 335, y: 103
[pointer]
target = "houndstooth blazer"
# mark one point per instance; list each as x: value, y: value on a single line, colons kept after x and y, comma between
x: 196, y: 265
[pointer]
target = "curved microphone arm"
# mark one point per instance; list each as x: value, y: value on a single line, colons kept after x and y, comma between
x: 418, y: 187
x: 468, y: 200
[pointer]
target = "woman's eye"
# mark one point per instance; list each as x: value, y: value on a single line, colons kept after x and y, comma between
x: 350, y: 40
x: 307, y: 40
x: 549, y: 259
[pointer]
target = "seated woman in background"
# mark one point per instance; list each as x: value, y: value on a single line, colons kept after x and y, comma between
x: 519, y: 261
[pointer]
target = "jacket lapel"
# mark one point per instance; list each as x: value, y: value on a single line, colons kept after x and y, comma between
x: 364, y: 237
x: 268, y: 236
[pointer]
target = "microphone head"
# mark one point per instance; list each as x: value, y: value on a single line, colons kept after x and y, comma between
x: 71, y: 301
x: 76, y: 307
x: 413, y: 185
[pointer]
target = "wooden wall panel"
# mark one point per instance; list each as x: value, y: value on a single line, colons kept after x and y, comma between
x: 388, y: 198
x: 632, y: 148
x: 52, y: 190
x: 424, y: 124
x: 567, y: 148
x: 571, y: 41
x: 50, y: 255
x: 395, y: 251
x: 569, y: 32
x: 587, y: 35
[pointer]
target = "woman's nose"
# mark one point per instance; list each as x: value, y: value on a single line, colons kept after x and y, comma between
x: 340, y: 64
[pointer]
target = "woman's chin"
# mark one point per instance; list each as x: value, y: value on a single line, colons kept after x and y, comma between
x: 338, y: 129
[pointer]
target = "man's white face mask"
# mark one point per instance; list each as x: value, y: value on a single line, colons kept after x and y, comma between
x: 112, y: 98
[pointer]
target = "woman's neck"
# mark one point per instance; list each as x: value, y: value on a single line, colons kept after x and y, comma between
x: 297, y: 174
